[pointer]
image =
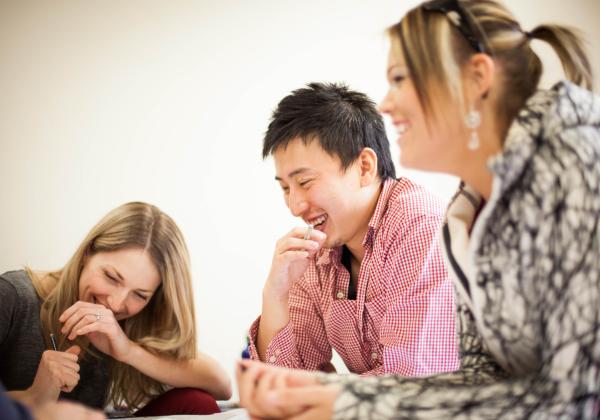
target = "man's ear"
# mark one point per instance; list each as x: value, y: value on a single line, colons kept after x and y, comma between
x: 367, y: 164
x: 479, y: 73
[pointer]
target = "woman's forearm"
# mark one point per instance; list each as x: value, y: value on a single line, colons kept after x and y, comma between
x: 202, y: 372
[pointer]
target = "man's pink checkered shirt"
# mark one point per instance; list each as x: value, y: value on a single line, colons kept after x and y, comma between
x: 403, y: 318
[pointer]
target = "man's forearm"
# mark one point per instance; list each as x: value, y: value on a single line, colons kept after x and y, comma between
x: 274, y: 317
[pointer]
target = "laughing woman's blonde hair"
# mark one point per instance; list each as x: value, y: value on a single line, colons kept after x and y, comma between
x: 435, y: 40
x: 165, y: 326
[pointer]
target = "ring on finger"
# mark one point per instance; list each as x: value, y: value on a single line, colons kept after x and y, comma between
x: 97, y: 314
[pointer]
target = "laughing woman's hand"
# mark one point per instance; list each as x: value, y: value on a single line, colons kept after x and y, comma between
x: 99, y: 325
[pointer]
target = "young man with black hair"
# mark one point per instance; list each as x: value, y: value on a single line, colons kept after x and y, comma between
x: 366, y: 277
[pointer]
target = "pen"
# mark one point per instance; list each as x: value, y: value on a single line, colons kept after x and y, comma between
x: 245, y: 353
x: 53, y: 340
x: 308, y: 232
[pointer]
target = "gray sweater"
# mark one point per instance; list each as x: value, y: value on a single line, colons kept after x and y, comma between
x: 22, y: 344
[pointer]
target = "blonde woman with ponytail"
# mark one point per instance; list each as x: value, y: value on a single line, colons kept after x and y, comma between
x: 521, y: 236
x: 121, y: 315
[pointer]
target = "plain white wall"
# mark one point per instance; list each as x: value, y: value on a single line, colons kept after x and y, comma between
x: 103, y: 102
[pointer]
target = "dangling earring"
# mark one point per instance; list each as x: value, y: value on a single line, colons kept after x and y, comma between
x: 473, y: 121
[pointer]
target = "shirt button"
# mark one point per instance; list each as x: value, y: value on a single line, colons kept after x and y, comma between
x: 277, y: 352
x: 374, y: 355
x: 272, y: 359
x: 340, y: 295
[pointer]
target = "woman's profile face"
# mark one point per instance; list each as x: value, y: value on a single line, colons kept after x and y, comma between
x: 123, y: 281
x: 424, y: 142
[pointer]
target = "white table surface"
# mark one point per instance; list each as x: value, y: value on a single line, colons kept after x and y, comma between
x: 236, y: 414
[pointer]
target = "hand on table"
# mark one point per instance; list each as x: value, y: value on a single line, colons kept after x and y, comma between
x: 277, y: 393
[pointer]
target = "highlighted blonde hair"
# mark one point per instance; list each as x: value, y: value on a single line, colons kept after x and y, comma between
x: 434, y: 51
x: 166, y: 325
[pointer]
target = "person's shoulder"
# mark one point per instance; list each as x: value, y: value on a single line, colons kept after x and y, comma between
x: 16, y: 283
x: 565, y: 118
x: 11, y: 297
x: 411, y: 200
x: 15, y: 276
x: 410, y: 209
x: 569, y: 145
x: 575, y: 105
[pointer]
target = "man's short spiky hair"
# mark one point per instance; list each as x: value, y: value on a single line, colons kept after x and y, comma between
x: 343, y: 121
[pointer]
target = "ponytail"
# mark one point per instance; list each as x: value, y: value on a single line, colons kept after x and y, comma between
x: 567, y: 44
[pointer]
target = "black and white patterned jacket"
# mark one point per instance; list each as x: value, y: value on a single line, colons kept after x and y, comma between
x: 527, y: 278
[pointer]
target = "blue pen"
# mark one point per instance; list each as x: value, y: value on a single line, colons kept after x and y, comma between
x: 246, y: 353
